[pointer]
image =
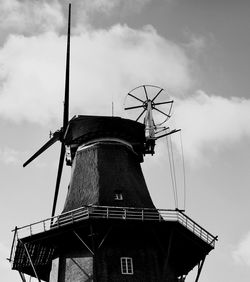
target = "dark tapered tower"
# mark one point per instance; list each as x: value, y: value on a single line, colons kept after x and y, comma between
x: 109, y: 229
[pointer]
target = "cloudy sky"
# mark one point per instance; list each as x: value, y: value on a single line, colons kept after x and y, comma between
x: 197, y: 50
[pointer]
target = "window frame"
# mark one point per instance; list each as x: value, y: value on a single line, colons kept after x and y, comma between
x: 127, y: 266
x: 118, y: 196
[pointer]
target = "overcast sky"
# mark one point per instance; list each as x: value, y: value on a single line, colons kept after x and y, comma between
x: 197, y: 50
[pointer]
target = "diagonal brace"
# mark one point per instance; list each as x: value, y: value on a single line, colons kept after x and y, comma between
x: 200, y: 265
x: 78, y: 265
x: 83, y: 243
x: 105, y: 237
x: 22, y: 276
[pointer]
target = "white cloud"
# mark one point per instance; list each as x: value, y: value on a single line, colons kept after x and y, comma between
x: 242, y: 252
x: 108, y: 6
x: 104, y: 63
x: 10, y: 156
x: 196, y: 43
x: 211, y: 122
x: 88, y: 11
x: 30, y: 16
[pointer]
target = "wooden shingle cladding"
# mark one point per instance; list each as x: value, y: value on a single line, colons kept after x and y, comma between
x: 102, y: 169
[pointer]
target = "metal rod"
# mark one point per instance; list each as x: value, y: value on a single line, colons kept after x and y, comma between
x: 161, y: 103
x: 199, y: 269
x: 141, y: 114
x: 105, y: 237
x: 77, y: 264
x: 22, y: 276
x: 135, y: 107
x: 135, y: 97
x: 161, y: 112
x: 171, y: 132
x: 83, y: 242
x: 145, y: 91
x: 157, y: 95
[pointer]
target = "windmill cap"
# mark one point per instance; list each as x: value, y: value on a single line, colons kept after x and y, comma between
x: 82, y: 129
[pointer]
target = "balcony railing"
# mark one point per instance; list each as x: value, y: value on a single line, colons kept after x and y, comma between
x: 114, y: 213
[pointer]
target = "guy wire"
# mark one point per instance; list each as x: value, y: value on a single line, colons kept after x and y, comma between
x: 171, y: 172
x: 184, y: 170
x: 172, y: 154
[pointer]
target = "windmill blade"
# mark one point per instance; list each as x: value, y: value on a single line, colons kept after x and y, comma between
x: 58, y: 179
x: 65, y: 116
x: 66, y: 97
x: 56, y: 136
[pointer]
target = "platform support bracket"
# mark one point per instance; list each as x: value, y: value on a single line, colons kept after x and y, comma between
x: 89, y: 277
x: 83, y: 242
x: 200, y: 265
x: 105, y: 237
x: 22, y: 276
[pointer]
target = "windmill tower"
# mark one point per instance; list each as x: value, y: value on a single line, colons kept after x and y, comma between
x: 109, y: 229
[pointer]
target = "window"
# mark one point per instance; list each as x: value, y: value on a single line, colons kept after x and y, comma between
x: 126, y: 265
x: 118, y: 195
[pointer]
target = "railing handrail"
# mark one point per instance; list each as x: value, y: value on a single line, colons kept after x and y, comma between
x: 49, y: 218
x: 114, y: 212
x: 190, y: 219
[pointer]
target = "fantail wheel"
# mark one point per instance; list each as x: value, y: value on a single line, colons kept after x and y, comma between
x: 150, y: 105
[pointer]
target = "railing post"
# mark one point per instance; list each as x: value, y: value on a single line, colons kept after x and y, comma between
x: 30, y: 230
x: 142, y: 214
x: 13, y: 243
x: 44, y: 226
x: 107, y: 212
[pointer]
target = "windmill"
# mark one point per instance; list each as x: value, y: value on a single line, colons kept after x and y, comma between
x: 109, y: 229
